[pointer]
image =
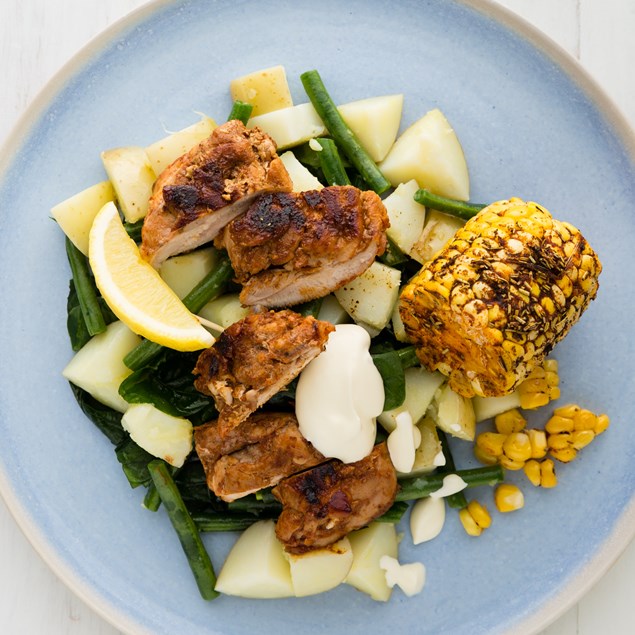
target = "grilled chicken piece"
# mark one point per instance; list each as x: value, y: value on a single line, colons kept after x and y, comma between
x: 271, y: 449
x: 293, y: 247
x: 255, y: 358
x: 323, y: 504
x: 198, y: 194
x: 498, y: 297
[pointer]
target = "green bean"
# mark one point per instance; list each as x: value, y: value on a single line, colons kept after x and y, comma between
x: 152, y: 500
x: 209, y: 521
x: 240, y: 110
x: 185, y: 528
x: 423, y: 486
x: 458, y: 500
x: 448, y: 205
x: 210, y: 287
x: 394, y: 514
x: 341, y: 133
x: 331, y: 163
x: 87, y: 294
x: 408, y: 356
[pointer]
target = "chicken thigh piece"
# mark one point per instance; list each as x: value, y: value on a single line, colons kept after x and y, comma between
x: 289, y: 248
x: 271, y: 449
x: 200, y: 192
x: 255, y: 358
x: 323, y: 504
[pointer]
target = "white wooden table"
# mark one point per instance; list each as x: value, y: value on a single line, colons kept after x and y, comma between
x: 38, y: 36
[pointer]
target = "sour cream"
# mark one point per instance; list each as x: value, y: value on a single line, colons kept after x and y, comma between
x: 410, y: 578
x: 339, y: 395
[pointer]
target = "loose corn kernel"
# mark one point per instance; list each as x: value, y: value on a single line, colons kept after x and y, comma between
x: 601, y: 424
x: 557, y: 424
x: 491, y: 443
x: 484, y: 457
x: 517, y: 447
x: 532, y: 472
x: 541, y: 385
x: 581, y: 438
x: 564, y: 455
x: 510, y: 464
x: 538, y: 440
x: 569, y: 411
x: 510, y: 421
x: 559, y: 441
x: 548, y: 474
x: 584, y: 420
x: 469, y: 524
x: 480, y: 514
x: 508, y: 498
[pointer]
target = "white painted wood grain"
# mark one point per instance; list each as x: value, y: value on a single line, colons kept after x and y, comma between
x: 38, y: 36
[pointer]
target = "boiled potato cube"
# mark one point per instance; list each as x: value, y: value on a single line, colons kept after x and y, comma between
x: 224, y: 310
x: 429, y: 453
x: 301, y: 177
x: 256, y: 566
x: 182, y: 273
x: 266, y: 90
x: 132, y: 177
x: 160, y: 434
x: 397, y: 325
x: 163, y: 152
x: 489, y: 407
x: 320, y: 570
x: 369, y: 545
x: 430, y: 153
x: 76, y: 214
x: 406, y: 216
x: 421, y: 386
x: 332, y: 311
x: 454, y: 414
x: 290, y: 126
x: 369, y: 299
x: 375, y: 122
x: 439, y: 228
x: 98, y: 366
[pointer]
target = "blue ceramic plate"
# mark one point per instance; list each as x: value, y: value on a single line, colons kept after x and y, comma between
x: 532, y: 125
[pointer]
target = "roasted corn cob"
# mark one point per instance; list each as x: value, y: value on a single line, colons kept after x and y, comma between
x: 496, y: 299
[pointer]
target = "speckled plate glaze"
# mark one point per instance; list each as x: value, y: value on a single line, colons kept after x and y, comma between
x: 532, y: 125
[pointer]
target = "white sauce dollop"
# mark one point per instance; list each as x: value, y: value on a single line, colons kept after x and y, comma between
x: 452, y: 483
x: 403, y: 442
x: 410, y: 578
x: 339, y: 395
x: 427, y: 519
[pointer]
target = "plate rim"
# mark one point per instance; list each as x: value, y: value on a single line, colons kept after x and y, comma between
x: 622, y: 533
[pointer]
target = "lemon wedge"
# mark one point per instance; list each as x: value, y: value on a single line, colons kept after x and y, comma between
x: 134, y: 290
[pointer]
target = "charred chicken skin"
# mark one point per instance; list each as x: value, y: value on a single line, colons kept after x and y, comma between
x: 323, y: 504
x: 258, y: 453
x: 255, y: 358
x: 200, y: 192
x: 292, y: 247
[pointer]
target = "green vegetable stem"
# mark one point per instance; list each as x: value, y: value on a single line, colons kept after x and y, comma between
x: 448, y: 205
x: 210, y: 287
x: 341, y: 133
x: 240, y: 110
x: 423, y: 486
x: 331, y: 163
x: 86, y: 290
x: 185, y: 528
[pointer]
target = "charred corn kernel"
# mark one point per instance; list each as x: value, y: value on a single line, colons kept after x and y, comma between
x: 517, y: 447
x: 510, y: 421
x: 581, y: 438
x: 548, y: 474
x: 541, y: 386
x: 480, y: 514
x: 469, y: 524
x: 484, y: 457
x: 532, y: 472
x: 557, y: 424
x: 447, y: 307
x: 508, y: 498
x: 538, y: 441
x: 491, y: 443
x: 601, y: 424
x: 564, y: 455
x: 510, y: 464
